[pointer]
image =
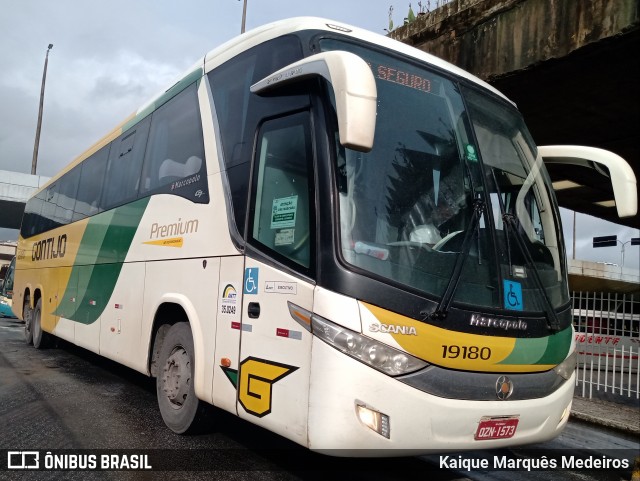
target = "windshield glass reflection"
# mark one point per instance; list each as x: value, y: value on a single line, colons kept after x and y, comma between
x: 406, y: 206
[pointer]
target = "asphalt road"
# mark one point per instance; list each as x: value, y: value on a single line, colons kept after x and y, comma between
x: 68, y: 400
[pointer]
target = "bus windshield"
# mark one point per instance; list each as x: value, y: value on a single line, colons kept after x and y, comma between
x: 442, y: 151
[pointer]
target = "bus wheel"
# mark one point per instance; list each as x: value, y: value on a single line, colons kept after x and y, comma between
x: 181, y: 410
x: 27, y: 315
x: 40, y: 338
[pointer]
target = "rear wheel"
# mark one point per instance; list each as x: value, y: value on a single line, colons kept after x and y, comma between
x: 27, y: 316
x: 40, y: 338
x: 181, y: 410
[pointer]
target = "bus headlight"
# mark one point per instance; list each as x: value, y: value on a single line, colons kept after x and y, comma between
x: 373, y: 353
x: 566, y: 368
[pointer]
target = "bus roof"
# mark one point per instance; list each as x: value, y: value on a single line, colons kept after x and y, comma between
x: 266, y: 32
x: 254, y: 37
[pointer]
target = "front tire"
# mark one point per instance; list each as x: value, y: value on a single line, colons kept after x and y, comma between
x: 181, y: 410
x: 40, y: 338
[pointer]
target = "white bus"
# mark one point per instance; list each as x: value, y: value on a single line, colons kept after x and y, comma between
x: 325, y: 232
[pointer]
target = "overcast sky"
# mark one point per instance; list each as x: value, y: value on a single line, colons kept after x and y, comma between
x: 111, y: 57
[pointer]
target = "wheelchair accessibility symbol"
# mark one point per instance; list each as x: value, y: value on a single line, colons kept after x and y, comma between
x: 251, y: 280
x: 512, y: 295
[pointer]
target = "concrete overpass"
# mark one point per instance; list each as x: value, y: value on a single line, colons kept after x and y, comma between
x: 601, y: 277
x: 571, y: 66
x: 15, y: 189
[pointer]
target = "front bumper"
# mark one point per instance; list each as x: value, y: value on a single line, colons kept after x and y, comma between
x: 420, y: 423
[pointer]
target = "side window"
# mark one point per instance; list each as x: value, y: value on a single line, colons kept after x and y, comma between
x: 231, y: 84
x: 282, y: 192
x: 7, y: 286
x: 174, y: 162
x: 234, y: 102
x: 47, y: 218
x: 125, y: 162
x: 31, y: 218
x: 68, y: 186
x: 239, y: 111
x: 90, y: 188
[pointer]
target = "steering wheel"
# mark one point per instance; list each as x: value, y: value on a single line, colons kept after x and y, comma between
x: 441, y: 245
x: 294, y: 249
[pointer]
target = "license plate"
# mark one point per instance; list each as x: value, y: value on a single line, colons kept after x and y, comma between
x: 496, y: 428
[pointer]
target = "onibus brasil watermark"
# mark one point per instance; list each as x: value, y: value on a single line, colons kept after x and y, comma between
x: 35, y: 460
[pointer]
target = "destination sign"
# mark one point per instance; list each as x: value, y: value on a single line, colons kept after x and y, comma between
x: 401, y: 77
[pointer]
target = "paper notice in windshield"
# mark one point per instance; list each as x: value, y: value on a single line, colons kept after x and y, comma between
x: 283, y: 212
x: 285, y: 237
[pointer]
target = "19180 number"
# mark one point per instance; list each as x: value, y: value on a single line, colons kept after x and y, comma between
x: 466, y: 352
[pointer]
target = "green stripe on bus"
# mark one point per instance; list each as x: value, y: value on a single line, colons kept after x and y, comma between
x: 558, y: 348
x: 105, y: 243
x: 527, y: 351
x: 545, y: 350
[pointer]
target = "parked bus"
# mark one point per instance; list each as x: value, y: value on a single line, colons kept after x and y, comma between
x: 6, y: 289
x: 327, y: 233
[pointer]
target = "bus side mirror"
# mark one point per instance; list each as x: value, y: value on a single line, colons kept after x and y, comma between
x: 606, y: 163
x: 354, y: 89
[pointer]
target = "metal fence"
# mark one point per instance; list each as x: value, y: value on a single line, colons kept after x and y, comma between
x: 608, y: 344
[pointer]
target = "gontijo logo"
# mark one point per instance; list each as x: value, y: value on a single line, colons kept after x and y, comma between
x: 254, y: 382
x: 50, y: 248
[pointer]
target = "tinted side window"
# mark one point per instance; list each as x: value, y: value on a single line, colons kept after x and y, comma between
x: 174, y: 162
x: 239, y: 111
x: 31, y: 216
x: 47, y: 217
x: 282, y: 210
x: 230, y: 88
x: 125, y: 162
x: 7, y: 286
x: 68, y: 187
x: 90, y: 188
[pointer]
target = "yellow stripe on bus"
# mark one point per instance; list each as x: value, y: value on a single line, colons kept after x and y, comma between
x: 50, y: 258
x: 172, y: 242
x: 454, y: 349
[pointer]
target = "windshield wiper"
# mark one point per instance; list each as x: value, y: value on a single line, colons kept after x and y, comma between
x: 511, y: 223
x: 442, y: 309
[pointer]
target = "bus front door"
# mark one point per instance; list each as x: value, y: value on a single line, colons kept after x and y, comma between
x: 275, y: 352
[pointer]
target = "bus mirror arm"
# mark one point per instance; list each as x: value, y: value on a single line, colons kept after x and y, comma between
x: 354, y: 89
x: 620, y: 173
